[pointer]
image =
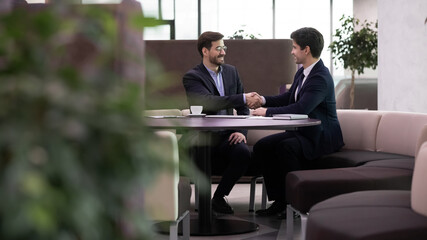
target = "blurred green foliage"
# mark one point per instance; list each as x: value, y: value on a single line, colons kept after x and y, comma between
x: 73, y: 146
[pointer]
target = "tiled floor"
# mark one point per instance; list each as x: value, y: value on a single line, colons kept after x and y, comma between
x: 270, y: 228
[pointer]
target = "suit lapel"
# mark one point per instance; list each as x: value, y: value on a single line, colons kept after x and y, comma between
x: 295, y: 84
x: 226, y: 83
x: 210, y: 83
x: 313, y: 70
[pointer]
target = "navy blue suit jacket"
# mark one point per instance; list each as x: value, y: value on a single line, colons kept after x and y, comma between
x: 317, y: 100
x: 201, y: 90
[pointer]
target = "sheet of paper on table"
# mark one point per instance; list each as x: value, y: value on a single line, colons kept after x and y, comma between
x: 290, y: 116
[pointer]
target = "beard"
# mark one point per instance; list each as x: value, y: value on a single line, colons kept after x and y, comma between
x: 218, y: 60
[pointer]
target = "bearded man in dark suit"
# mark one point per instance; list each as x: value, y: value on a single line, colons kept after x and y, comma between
x: 217, y: 87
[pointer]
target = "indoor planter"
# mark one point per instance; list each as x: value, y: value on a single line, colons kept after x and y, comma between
x: 356, y: 47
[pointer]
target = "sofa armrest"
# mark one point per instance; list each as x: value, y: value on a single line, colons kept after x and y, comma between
x: 161, y: 198
x: 359, y: 128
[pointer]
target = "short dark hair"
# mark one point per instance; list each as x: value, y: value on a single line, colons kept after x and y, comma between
x: 206, y: 39
x: 309, y: 37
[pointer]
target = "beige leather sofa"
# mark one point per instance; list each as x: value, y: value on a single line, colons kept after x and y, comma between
x: 379, y: 152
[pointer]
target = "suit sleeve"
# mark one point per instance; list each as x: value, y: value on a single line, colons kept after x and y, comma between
x: 285, y: 98
x: 314, y: 93
x: 243, y: 109
x: 277, y: 101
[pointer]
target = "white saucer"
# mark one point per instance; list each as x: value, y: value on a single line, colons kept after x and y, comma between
x: 196, y: 115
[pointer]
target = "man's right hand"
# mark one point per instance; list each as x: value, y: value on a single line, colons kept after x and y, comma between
x: 253, y: 100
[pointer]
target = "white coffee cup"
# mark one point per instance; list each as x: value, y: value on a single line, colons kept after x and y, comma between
x: 196, y: 109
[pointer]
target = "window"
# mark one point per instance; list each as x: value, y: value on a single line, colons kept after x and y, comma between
x: 160, y: 9
x: 253, y: 16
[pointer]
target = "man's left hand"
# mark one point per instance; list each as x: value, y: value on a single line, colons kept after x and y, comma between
x: 259, y: 112
x: 236, y: 138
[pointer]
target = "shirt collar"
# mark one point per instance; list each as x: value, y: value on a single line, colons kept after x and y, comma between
x: 212, y: 72
x: 309, y: 68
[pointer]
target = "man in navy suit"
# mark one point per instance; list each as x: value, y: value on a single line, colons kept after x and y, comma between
x: 217, y: 87
x: 311, y: 93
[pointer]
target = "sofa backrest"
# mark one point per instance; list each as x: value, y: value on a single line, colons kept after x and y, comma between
x: 359, y: 128
x: 421, y: 139
x: 419, y: 191
x: 398, y: 132
x: 264, y: 65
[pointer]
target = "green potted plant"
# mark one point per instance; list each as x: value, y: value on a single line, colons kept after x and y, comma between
x: 73, y: 146
x: 242, y: 34
x: 356, y: 47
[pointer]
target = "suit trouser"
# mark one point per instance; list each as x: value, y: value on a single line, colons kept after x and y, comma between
x: 228, y: 161
x: 276, y: 155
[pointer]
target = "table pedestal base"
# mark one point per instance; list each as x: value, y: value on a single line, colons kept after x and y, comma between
x: 218, y: 227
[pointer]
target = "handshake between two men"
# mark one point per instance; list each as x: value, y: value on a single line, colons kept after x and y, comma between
x: 255, y: 101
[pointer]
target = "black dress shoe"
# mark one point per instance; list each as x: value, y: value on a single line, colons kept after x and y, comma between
x: 276, y: 208
x: 283, y: 215
x: 219, y: 205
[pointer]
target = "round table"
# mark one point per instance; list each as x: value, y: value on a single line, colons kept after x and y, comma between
x: 206, y: 225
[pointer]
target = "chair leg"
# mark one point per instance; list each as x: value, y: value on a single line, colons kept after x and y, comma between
x: 289, y: 222
x: 254, y: 181
x: 252, y: 194
x: 303, y: 225
x: 290, y: 211
x: 186, y: 225
x: 264, y: 195
x: 196, y: 197
x: 173, y: 231
x: 173, y: 228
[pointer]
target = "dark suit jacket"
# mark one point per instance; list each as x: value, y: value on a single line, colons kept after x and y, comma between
x: 201, y: 90
x: 317, y: 100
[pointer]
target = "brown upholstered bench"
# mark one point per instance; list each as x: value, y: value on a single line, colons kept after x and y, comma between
x: 378, y: 155
x: 353, y: 158
x: 323, y: 184
x: 376, y: 215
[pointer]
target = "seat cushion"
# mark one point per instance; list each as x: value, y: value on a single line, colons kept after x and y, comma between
x: 366, y: 215
x: 353, y: 158
x: 402, y: 163
x: 308, y: 187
